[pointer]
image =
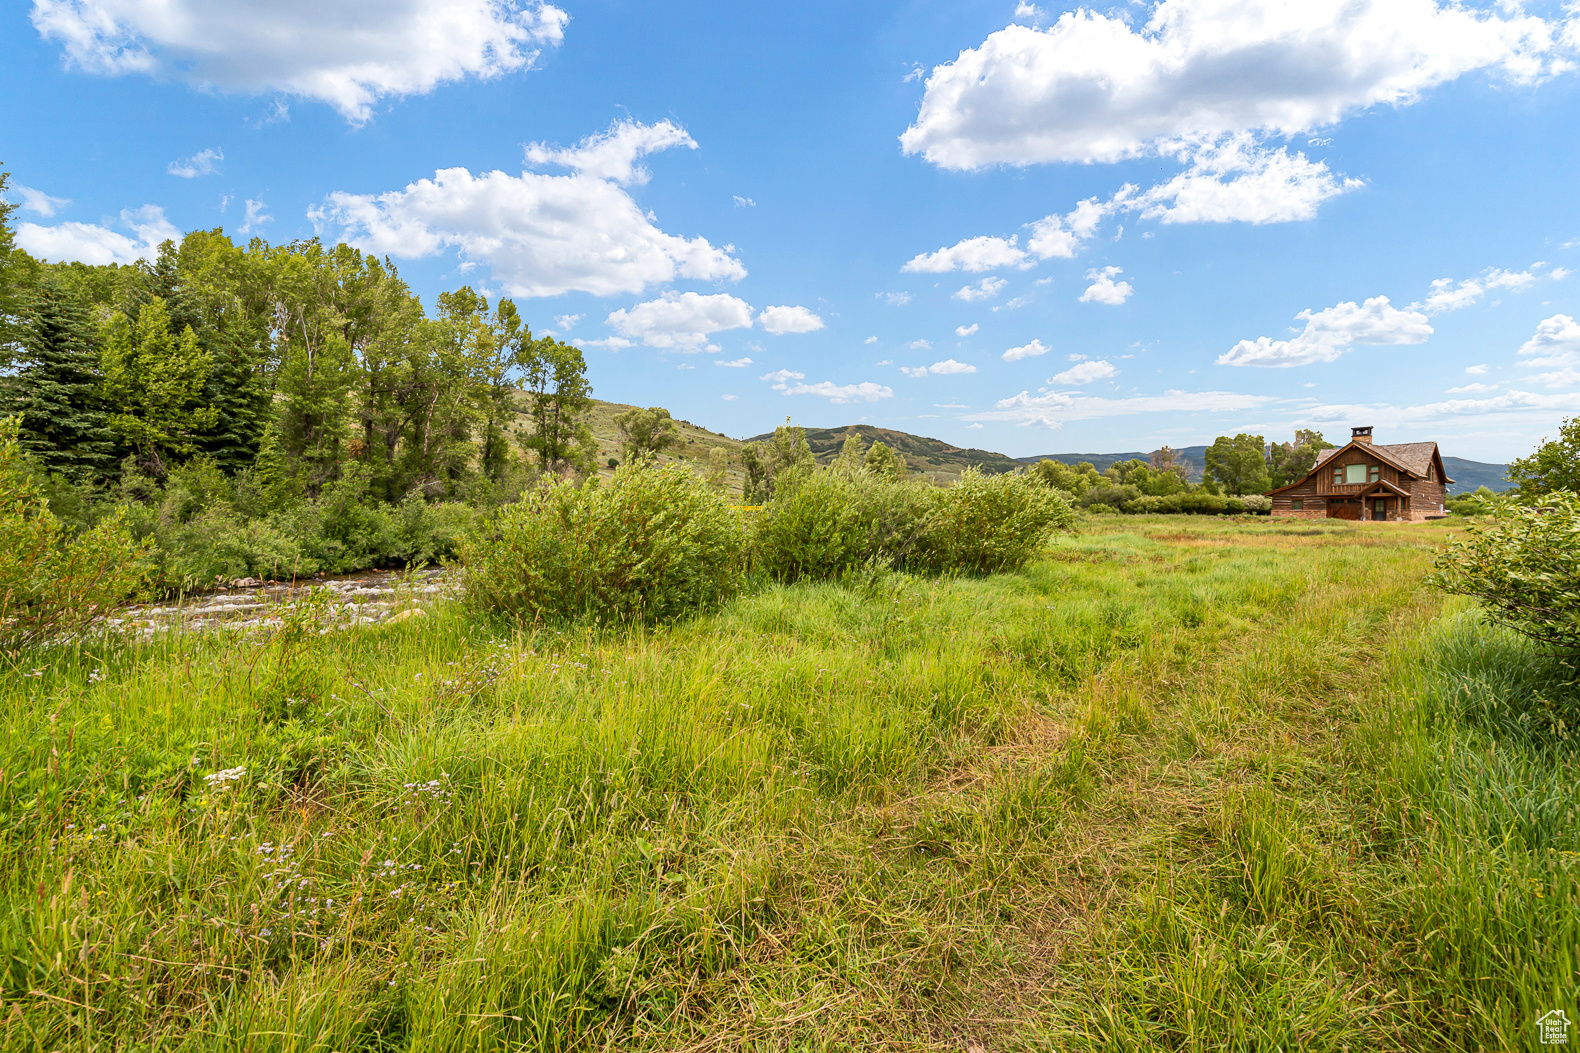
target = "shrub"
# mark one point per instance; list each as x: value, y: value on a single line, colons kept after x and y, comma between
x: 823, y: 524
x: 1522, y: 567
x: 985, y: 524
x: 652, y: 544
x: 51, y: 583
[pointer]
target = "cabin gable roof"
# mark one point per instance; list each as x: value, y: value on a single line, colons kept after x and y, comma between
x: 1412, y: 458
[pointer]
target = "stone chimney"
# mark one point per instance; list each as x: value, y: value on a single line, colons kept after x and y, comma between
x: 1361, y: 435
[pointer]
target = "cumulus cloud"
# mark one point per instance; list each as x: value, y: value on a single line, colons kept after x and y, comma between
x: 543, y: 235
x: 1084, y: 373
x: 1104, y: 289
x: 963, y: 331
x: 793, y: 383
x: 781, y: 320
x: 948, y: 367
x: 38, y: 202
x: 744, y: 202
x: 1449, y: 295
x: 1092, y: 87
x: 681, y: 321
x: 1476, y: 371
x: 1471, y: 389
x: 1496, y: 411
x: 1235, y: 181
x: 202, y: 163
x: 739, y: 363
x: 985, y: 289
x: 1031, y: 350
x: 920, y: 345
x: 1556, y: 343
x: 1327, y: 334
x: 1055, y: 408
x: 341, y: 52
x: 973, y: 254
x: 896, y: 299
x: 92, y: 244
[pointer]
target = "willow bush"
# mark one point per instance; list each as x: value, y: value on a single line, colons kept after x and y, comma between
x: 651, y: 545
x: 54, y: 583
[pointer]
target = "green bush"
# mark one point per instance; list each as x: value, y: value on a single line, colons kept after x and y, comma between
x: 650, y: 545
x: 52, y: 583
x: 985, y: 524
x: 823, y: 524
x: 1522, y: 568
x: 1199, y: 503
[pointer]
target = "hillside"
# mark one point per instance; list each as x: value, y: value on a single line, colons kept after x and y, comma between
x: 695, y: 443
x: 1469, y: 475
x: 931, y: 459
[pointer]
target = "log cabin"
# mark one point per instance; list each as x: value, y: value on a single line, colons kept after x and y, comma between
x: 1404, y: 483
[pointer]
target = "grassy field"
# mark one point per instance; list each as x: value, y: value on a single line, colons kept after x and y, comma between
x: 1182, y: 784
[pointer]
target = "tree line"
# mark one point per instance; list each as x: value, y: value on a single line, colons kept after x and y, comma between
x: 288, y: 366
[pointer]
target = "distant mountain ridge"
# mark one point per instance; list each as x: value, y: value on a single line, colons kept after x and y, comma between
x: 941, y: 461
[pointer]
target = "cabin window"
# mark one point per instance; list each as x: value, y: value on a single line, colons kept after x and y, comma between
x: 1373, y: 473
x: 1356, y: 473
x: 1297, y: 505
x: 1338, y: 475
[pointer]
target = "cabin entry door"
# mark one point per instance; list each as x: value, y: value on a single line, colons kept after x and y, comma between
x: 1380, y: 509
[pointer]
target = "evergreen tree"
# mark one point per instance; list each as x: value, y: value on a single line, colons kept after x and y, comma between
x: 55, y: 390
x: 236, y: 391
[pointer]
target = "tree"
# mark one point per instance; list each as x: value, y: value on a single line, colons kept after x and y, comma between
x: 850, y: 459
x: 1237, y: 465
x: 767, y: 463
x: 882, y: 461
x: 1288, y: 462
x: 1167, y: 459
x: 555, y: 375
x: 154, y: 378
x: 1554, y: 466
x: 54, y: 394
x: 10, y: 275
x: 718, y: 466
x: 1074, y: 481
x: 646, y: 432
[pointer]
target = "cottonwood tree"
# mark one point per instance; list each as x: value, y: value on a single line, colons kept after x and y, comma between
x: 559, y: 396
x: 767, y: 463
x: 155, y: 378
x: 882, y: 461
x: 1237, y: 465
x: 1553, y: 466
x: 646, y: 432
x: 1288, y: 462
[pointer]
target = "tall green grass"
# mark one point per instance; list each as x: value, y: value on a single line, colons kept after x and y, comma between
x: 1107, y: 801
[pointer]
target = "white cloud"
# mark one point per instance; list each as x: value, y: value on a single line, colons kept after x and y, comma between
x: 1556, y: 342
x: 948, y: 367
x: 1458, y: 413
x: 985, y: 289
x: 1472, y: 389
x: 611, y: 343
x: 1104, y: 289
x: 870, y: 340
x: 896, y: 299
x: 973, y: 254
x: 87, y: 243
x: 920, y: 345
x: 202, y: 163
x: 1449, y: 295
x: 791, y: 383
x: 1025, y: 10
x: 567, y: 321
x: 1084, y: 373
x: 739, y: 363
x: 781, y: 320
x: 1476, y: 371
x: 38, y: 202
x: 963, y: 331
x: 1093, y: 88
x: 976, y: 425
x: 255, y: 218
x: 729, y: 398
x: 543, y: 235
x: 1031, y: 350
x: 1328, y: 333
x: 348, y: 54
x: 744, y: 202
x: 681, y: 321
x: 1055, y: 408
x: 612, y: 155
x: 1235, y: 181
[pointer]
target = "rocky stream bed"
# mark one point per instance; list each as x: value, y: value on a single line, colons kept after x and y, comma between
x: 367, y: 598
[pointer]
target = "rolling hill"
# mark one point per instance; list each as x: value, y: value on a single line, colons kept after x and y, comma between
x: 931, y: 459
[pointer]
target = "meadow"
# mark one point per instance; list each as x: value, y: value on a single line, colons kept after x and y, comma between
x: 1179, y: 784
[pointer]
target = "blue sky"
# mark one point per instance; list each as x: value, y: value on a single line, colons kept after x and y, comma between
x: 1024, y: 228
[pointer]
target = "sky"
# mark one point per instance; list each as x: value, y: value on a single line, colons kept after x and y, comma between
x: 1025, y: 228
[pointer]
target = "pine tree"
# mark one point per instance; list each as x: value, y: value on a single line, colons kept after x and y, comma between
x: 236, y: 389
x: 56, y: 389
